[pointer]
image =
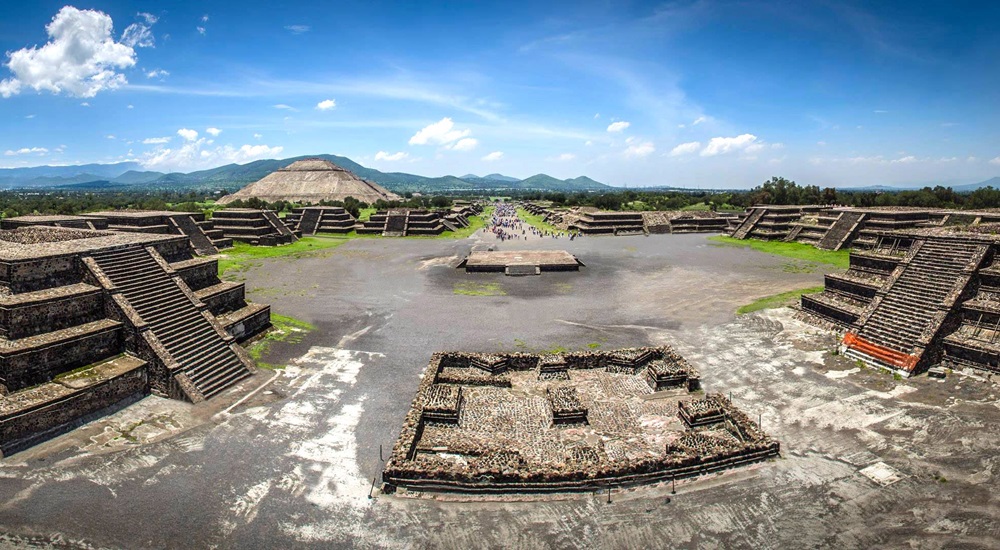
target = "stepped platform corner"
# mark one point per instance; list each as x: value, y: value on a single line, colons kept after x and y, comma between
x: 90, y: 319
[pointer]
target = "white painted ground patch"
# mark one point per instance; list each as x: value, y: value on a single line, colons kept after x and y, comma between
x: 882, y: 473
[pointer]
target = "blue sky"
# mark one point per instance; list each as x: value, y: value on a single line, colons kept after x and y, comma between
x: 710, y: 94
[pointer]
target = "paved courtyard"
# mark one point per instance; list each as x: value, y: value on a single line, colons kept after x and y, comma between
x: 288, y: 459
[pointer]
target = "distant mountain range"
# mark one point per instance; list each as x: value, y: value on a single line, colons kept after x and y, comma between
x: 130, y: 175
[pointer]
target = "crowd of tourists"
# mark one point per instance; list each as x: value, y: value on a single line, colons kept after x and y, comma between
x: 506, y: 225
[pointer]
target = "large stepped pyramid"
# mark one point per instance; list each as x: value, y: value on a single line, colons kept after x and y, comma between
x: 202, y: 349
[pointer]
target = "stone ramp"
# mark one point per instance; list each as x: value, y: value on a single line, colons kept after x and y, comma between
x: 310, y: 221
x: 277, y: 224
x: 793, y: 234
x: 903, y: 322
x: 748, y: 224
x: 841, y: 230
x: 198, y: 347
x: 202, y: 243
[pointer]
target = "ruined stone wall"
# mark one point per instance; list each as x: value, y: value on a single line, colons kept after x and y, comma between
x: 58, y: 312
x: 37, y: 274
x: 46, y: 360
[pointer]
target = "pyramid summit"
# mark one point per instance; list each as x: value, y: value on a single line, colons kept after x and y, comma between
x: 310, y: 181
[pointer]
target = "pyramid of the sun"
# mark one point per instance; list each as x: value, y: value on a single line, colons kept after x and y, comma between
x: 311, y: 181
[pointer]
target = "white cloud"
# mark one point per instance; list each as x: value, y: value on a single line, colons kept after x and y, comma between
x: 597, y: 116
x: 619, y: 126
x: 441, y: 132
x: 157, y: 73
x: 284, y: 107
x: 138, y: 35
x: 465, y: 144
x: 821, y: 143
x: 995, y: 160
x: 297, y: 29
x: 723, y: 145
x: 258, y: 136
x: 588, y: 143
x: 778, y: 145
x: 639, y: 149
x: 494, y: 156
x: 29, y: 116
x: 382, y: 155
x: 148, y: 17
x: 699, y: 120
x: 155, y: 140
x: 110, y: 136
x: 85, y: 104
x: 27, y: 151
x: 688, y: 148
x: 565, y: 157
x: 80, y: 59
x: 130, y: 106
x: 187, y: 134
x: 204, y: 18
x: 905, y: 160
x: 201, y: 30
x: 195, y: 154
x: 326, y: 104
x: 214, y: 132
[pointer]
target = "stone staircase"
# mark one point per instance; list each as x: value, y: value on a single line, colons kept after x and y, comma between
x: 202, y: 243
x: 193, y: 342
x: 395, y: 225
x: 841, y: 230
x: 310, y: 221
x: 748, y: 224
x: 908, y: 315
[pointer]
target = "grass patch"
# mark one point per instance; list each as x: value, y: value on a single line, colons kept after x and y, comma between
x: 242, y: 255
x: 479, y: 289
x: 284, y: 329
x: 798, y: 251
x: 778, y: 300
x: 365, y: 214
x: 536, y: 221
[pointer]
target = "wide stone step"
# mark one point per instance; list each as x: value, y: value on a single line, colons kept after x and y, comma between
x: 192, y: 346
x: 222, y: 384
x: 209, y: 355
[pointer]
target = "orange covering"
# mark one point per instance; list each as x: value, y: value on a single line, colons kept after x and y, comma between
x: 892, y: 357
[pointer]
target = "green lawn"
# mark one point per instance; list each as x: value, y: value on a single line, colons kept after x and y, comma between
x: 799, y: 251
x: 242, y: 255
x: 536, y: 221
x: 778, y: 300
x: 365, y: 214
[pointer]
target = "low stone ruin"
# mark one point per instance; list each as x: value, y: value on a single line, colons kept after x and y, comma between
x: 519, y: 262
x: 205, y: 238
x: 519, y: 422
x: 257, y: 227
x: 91, y: 319
x: 311, y: 220
x: 404, y: 222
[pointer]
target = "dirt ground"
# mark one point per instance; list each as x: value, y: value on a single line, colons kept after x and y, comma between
x: 288, y: 458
